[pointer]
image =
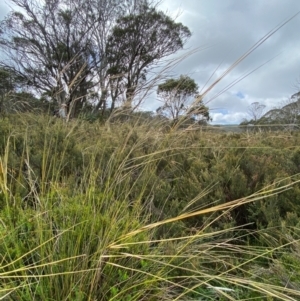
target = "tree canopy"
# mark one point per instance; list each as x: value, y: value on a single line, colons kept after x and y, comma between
x: 256, y: 110
x: 87, y: 52
x: 139, y: 41
x: 181, y: 97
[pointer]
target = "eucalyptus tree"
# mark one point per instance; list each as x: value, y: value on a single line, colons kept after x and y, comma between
x: 58, y: 45
x: 180, y: 97
x: 107, y: 12
x: 256, y: 110
x: 138, y: 41
x: 48, y: 44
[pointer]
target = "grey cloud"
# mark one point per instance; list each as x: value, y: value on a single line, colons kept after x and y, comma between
x: 230, y: 28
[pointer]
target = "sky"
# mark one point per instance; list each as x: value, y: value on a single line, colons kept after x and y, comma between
x: 4, y: 8
x: 222, y: 31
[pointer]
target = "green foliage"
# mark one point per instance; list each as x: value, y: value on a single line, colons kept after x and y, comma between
x: 11, y: 98
x: 184, y: 86
x: 138, y: 41
x: 180, y: 97
x: 107, y: 212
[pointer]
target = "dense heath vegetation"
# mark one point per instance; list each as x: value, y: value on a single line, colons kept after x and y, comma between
x: 108, y: 203
x: 141, y: 210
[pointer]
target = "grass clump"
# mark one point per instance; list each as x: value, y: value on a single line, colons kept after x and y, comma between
x: 135, y: 211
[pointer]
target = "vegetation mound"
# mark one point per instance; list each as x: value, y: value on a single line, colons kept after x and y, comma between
x: 138, y: 210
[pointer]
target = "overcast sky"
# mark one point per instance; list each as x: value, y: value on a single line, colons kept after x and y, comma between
x: 227, y: 29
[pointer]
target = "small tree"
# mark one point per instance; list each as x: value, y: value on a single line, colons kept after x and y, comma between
x: 180, y: 97
x: 198, y: 111
x: 256, y: 111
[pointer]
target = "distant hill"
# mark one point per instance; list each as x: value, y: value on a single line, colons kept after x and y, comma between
x: 287, y: 115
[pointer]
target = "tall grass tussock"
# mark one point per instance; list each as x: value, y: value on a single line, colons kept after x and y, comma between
x: 138, y: 211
